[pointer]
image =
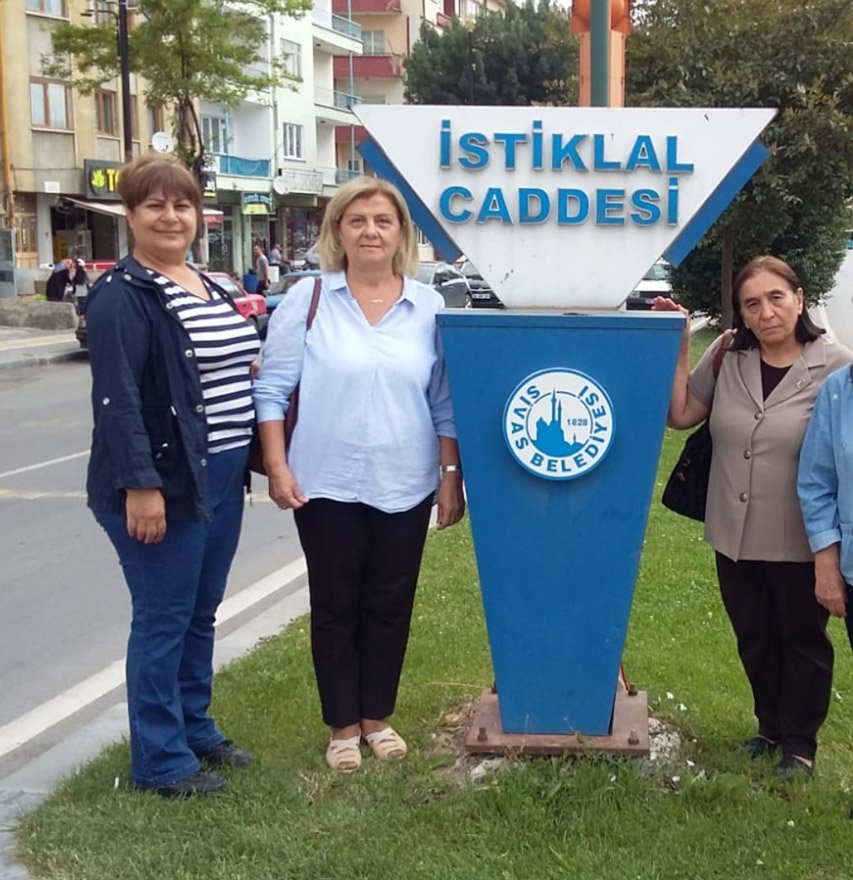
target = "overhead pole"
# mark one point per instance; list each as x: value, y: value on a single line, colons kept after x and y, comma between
x: 602, y: 27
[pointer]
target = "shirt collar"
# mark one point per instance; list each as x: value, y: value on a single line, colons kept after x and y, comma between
x: 338, y: 281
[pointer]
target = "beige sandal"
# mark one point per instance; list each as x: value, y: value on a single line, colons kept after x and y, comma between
x: 386, y: 744
x: 344, y: 755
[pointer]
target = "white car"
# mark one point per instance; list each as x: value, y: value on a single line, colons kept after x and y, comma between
x: 654, y: 283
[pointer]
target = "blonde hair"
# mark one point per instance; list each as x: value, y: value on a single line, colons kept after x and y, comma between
x: 332, y: 256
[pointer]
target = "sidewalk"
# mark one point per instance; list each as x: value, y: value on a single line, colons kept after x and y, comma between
x: 24, y: 347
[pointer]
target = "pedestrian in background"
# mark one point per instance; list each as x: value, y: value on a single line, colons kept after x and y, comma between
x: 171, y: 395
x: 262, y: 268
x: 762, y: 399
x: 374, y: 441
x: 59, y: 281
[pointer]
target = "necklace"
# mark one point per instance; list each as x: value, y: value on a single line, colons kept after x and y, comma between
x: 377, y: 301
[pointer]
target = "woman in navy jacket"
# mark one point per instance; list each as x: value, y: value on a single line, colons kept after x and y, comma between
x: 173, y: 414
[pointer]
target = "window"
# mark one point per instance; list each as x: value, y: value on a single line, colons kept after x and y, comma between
x: 106, y: 119
x: 134, y: 117
x: 354, y: 166
x: 49, y: 104
x: 373, y: 42
x: 48, y: 7
x: 155, y: 120
x: 291, y: 58
x: 26, y: 225
x: 292, y: 141
x: 213, y: 131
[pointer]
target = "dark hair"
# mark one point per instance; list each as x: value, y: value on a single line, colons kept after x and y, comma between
x: 155, y: 171
x: 805, y: 331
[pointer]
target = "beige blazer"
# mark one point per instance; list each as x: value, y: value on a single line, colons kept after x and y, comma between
x: 752, y: 510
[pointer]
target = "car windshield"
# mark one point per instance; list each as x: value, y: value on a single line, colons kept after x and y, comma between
x: 470, y: 270
x: 425, y: 271
x: 658, y: 272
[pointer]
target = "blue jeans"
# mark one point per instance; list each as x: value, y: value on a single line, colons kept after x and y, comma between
x: 176, y: 587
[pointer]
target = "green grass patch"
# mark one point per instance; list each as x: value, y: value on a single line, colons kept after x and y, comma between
x: 703, y: 813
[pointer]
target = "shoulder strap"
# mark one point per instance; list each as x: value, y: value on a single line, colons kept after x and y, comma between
x: 719, y: 354
x: 315, y: 301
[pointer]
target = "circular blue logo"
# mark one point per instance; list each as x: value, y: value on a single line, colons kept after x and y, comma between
x: 558, y: 423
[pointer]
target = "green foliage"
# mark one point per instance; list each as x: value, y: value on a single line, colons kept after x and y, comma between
x: 186, y: 50
x: 527, y: 56
x: 787, y: 54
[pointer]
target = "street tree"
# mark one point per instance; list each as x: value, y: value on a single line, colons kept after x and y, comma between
x: 186, y: 51
x: 525, y: 56
x: 794, y: 55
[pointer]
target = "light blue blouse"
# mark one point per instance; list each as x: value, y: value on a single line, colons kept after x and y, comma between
x: 372, y: 400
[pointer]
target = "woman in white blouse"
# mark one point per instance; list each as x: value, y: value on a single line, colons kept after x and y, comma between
x: 374, y: 441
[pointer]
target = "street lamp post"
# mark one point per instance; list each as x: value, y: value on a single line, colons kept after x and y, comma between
x: 123, y: 45
x: 124, y: 64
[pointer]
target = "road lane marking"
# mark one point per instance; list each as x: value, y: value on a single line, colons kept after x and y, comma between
x: 34, y: 467
x: 35, y: 722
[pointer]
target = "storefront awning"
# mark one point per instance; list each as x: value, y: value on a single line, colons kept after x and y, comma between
x: 212, y: 217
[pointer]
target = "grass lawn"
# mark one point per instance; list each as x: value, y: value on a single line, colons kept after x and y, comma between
x: 702, y: 813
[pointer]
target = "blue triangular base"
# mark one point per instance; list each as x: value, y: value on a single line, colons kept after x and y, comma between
x: 557, y: 557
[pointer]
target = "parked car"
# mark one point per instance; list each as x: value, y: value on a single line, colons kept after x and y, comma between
x: 448, y: 281
x: 278, y: 291
x: 252, y: 306
x: 480, y: 291
x: 654, y: 283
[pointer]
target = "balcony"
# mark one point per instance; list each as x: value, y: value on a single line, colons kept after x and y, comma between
x: 302, y: 182
x: 333, y: 106
x: 370, y: 67
x: 344, y: 134
x: 337, y: 176
x: 237, y: 166
x: 367, y: 7
x: 335, y: 34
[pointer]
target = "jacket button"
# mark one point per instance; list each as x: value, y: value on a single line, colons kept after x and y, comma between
x: 109, y: 279
x: 747, y: 453
x: 758, y: 416
x: 127, y: 277
x: 105, y: 401
x: 170, y: 305
x: 743, y: 496
x: 188, y: 353
x: 204, y: 462
x: 199, y: 407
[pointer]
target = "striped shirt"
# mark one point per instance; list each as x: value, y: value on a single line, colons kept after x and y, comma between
x: 225, y: 345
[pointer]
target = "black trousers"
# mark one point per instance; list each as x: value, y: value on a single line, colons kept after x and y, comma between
x: 363, y: 568
x: 783, y: 645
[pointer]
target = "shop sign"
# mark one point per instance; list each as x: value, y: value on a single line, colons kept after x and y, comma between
x: 256, y: 203
x: 101, y: 179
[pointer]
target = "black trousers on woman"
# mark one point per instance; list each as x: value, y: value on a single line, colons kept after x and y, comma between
x: 783, y: 645
x: 363, y: 568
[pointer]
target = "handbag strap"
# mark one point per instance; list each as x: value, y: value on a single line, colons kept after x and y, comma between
x: 315, y: 301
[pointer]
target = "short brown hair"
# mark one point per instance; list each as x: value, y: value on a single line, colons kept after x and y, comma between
x: 332, y: 256
x: 805, y: 330
x: 155, y: 171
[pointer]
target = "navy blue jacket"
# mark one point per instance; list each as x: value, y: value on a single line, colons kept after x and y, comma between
x: 150, y: 425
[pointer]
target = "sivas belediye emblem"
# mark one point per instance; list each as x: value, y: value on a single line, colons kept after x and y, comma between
x: 558, y: 423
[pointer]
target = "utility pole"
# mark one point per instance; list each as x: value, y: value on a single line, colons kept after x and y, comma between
x: 602, y: 26
x: 124, y: 64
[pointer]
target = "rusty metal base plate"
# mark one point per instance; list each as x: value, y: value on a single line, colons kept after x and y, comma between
x: 629, y: 734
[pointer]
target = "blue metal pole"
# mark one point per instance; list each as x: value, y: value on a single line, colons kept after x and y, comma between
x: 599, y: 48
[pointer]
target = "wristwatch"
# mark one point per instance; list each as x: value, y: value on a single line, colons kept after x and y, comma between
x: 451, y: 469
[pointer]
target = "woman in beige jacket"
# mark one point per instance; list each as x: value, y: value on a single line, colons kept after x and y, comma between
x: 775, y: 361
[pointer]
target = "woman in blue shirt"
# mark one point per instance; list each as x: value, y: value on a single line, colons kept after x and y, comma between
x: 374, y: 440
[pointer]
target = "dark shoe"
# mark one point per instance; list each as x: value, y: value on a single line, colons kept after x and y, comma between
x: 791, y: 767
x: 196, y: 784
x: 226, y: 754
x: 760, y: 747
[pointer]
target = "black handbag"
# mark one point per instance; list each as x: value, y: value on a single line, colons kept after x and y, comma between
x: 686, y: 490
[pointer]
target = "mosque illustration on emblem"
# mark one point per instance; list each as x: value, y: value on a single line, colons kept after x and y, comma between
x: 550, y: 437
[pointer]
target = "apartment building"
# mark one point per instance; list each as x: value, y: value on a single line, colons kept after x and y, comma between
x: 389, y: 29
x: 60, y: 149
x: 273, y: 156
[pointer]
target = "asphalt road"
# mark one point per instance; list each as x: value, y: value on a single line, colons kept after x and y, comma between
x: 64, y: 609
